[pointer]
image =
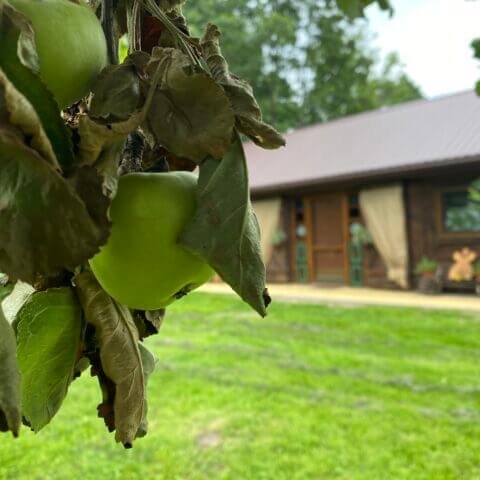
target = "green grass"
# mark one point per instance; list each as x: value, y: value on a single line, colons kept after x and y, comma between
x: 310, y: 392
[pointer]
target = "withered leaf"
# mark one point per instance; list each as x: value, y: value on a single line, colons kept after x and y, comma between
x: 45, y: 226
x: 149, y: 362
x: 224, y: 230
x: 119, y: 354
x: 48, y: 337
x: 89, y: 186
x: 19, y: 112
x: 190, y: 114
x: 117, y: 91
x: 10, y: 409
x: 248, y: 115
x: 95, y: 137
x: 148, y: 322
x: 169, y: 5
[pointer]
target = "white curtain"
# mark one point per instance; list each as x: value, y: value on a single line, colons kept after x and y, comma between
x: 268, y: 215
x: 383, y: 210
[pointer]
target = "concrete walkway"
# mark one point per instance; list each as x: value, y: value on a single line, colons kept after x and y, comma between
x: 360, y: 296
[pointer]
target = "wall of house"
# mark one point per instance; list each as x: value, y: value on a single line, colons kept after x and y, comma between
x: 424, y: 222
x: 281, y: 266
x: 374, y: 268
x: 425, y: 237
x: 278, y: 268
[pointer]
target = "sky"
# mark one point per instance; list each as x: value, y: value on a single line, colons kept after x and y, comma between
x: 433, y: 39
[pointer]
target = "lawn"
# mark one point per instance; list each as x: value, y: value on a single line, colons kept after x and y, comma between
x: 310, y: 392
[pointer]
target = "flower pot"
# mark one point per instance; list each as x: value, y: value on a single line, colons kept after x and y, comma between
x: 477, y: 284
x: 428, y: 274
x: 428, y: 283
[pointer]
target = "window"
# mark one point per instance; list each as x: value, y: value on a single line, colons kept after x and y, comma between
x: 460, y: 213
x: 353, y: 206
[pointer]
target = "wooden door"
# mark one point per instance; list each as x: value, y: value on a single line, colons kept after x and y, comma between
x: 327, y: 227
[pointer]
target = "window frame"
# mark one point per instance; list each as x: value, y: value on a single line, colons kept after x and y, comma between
x: 440, y: 214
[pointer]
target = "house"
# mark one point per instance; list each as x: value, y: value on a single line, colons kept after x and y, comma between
x: 397, y: 178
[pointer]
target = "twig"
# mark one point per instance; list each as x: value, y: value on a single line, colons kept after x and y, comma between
x: 108, y: 24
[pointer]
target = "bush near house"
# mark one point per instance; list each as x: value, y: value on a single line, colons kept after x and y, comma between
x: 426, y: 266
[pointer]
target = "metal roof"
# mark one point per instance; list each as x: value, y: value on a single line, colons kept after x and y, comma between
x: 413, y: 136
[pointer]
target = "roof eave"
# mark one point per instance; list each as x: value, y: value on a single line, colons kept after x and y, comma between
x: 385, y: 174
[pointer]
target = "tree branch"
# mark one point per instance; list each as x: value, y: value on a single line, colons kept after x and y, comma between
x: 109, y: 28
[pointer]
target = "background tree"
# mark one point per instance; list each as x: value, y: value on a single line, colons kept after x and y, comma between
x: 305, y: 60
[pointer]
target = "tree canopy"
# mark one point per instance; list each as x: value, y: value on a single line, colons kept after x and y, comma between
x: 306, y: 61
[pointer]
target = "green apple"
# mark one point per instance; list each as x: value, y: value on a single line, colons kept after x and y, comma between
x: 142, y: 265
x: 70, y: 44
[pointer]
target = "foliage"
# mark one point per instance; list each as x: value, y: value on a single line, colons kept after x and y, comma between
x: 476, y: 53
x: 476, y: 269
x: 48, y: 329
x: 474, y: 192
x: 279, y: 237
x: 10, y: 412
x: 360, y: 234
x: 172, y: 104
x: 305, y: 61
x: 355, y: 8
x: 59, y: 171
x: 309, y: 392
x: 426, y: 265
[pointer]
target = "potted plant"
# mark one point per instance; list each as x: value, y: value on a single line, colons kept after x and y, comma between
x: 426, y: 269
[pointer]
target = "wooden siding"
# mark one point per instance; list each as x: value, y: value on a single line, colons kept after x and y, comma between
x: 424, y: 222
x: 423, y: 228
x: 279, y: 266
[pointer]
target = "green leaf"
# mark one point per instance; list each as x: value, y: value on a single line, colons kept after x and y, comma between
x: 18, y: 62
x: 476, y: 47
x: 48, y: 337
x: 224, y: 230
x: 10, y: 413
x: 120, y: 356
x: 169, y: 5
x: 5, y: 291
x: 44, y: 225
x: 149, y: 362
x: 190, y: 114
x: 248, y: 115
x: 355, y: 8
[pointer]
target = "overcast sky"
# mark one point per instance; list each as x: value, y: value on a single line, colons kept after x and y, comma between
x: 433, y: 39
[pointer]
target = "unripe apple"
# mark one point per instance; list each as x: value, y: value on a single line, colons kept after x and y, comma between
x: 70, y: 44
x: 142, y: 265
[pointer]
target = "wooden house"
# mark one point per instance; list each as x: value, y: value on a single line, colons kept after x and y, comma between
x: 402, y: 172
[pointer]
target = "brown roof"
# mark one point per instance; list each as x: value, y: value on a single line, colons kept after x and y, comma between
x: 413, y: 136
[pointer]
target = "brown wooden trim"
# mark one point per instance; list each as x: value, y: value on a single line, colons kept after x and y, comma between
x: 321, y: 248
x: 307, y: 212
x: 346, y: 236
x: 442, y: 234
x: 293, y: 240
x: 375, y: 274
